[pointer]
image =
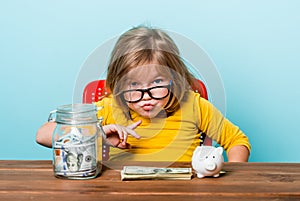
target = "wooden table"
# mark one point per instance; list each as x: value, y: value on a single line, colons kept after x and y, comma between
x: 34, y: 180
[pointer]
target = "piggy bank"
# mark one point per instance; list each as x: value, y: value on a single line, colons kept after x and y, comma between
x: 207, y: 161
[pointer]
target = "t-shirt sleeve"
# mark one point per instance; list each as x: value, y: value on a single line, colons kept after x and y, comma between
x: 219, y: 128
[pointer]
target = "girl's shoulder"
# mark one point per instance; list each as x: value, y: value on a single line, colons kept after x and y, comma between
x: 104, y: 106
x: 106, y: 101
x: 105, y: 110
x: 194, y: 97
x: 198, y: 103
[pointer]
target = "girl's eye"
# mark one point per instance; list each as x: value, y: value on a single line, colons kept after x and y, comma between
x: 157, y: 81
x: 133, y: 84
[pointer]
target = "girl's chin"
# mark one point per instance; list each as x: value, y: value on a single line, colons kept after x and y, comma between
x: 149, y: 114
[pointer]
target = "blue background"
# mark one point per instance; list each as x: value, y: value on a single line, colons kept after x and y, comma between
x: 255, y: 46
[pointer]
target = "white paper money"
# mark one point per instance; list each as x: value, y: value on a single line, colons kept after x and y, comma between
x: 141, y: 172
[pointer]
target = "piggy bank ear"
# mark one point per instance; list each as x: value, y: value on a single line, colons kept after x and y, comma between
x: 219, y: 150
x: 197, y: 149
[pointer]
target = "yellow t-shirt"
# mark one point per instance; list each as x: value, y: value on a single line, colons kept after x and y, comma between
x: 172, y: 138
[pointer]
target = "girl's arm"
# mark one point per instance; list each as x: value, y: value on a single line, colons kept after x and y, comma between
x: 116, y: 135
x: 238, y: 153
x: 44, y: 134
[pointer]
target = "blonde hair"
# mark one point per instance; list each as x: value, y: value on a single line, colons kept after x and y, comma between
x: 143, y: 45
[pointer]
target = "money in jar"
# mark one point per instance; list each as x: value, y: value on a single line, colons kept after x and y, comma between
x: 75, y: 142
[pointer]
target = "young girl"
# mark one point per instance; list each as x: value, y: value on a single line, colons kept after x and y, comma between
x: 152, y: 113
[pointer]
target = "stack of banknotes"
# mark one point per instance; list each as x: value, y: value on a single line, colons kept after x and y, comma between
x: 142, y: 172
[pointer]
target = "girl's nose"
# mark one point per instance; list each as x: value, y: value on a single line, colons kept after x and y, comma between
x: 146, y: 96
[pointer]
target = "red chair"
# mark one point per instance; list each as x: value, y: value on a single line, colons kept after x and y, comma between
x: 96, y: 90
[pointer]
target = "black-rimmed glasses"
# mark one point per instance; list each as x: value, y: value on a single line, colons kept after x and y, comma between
x: 157, y: 93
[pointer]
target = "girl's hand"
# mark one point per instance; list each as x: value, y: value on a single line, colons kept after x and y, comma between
x: 117, y: 135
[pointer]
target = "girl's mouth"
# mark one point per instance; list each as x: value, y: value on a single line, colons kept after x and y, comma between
x: 147, y: 107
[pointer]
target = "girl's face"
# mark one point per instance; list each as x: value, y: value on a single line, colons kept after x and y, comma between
x: 138, y: 98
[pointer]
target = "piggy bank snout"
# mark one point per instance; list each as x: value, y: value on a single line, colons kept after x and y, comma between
x: 210, y: 166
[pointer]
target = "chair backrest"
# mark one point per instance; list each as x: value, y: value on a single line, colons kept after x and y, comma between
x: 96, y: 90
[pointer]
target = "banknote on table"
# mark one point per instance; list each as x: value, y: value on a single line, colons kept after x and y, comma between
x: 142, y: 172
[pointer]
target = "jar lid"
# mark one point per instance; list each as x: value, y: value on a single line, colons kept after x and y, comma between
x: 77, y: 108
x: 78, y: 113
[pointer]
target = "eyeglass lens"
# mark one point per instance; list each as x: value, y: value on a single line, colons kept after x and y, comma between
x: 158, y: 92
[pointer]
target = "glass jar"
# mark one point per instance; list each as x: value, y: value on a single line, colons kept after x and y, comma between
x: 75, y: 142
